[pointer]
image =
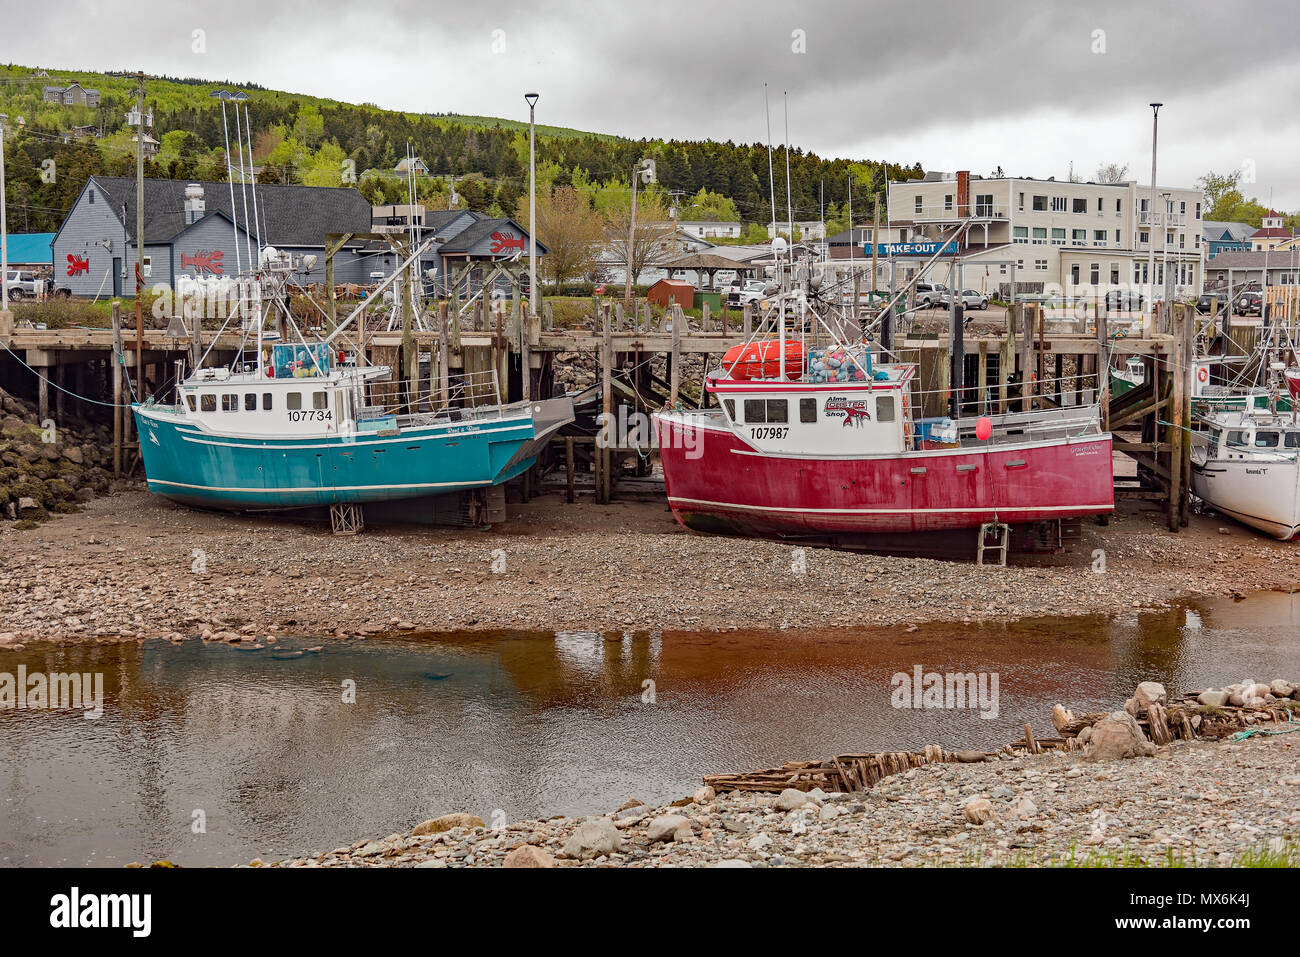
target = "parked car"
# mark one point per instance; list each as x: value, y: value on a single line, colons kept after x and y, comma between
x: 970, y: 299
x: 929, y: 295
x: 752, y: 291
x: 1250, y: 303
x: 1126, y: 301
x: 1206, y: 299
x: 22, y: 284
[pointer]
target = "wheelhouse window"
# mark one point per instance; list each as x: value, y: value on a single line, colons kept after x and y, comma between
x: 266, y: 402
x: 885, y: 408
x: 807, y: 410
x: 1237, y: 440
x: 730, y: 405
x: 208, y: 402
x: 319, y: 400
x: 766, y: 410
x: 250, y: 401
x: 229, y: 402
x: 1266, y: 440
x: 293, y: 401
x: 189, y: 400
x: 1293, y: 440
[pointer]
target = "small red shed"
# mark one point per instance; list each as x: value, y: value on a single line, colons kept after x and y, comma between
x: 678, y: 290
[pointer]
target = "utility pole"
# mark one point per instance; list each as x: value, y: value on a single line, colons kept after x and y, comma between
x: 631, y: 239
x: 139, y: 236
x: 4, y: 231
x: 532, y: 208
x: 1151, y: 215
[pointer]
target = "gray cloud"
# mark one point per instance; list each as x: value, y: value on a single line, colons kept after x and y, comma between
x: 950, y: 85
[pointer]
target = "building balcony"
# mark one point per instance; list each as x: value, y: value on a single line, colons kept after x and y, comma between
x: 950, y: 213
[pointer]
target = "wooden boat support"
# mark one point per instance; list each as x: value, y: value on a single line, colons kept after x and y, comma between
x: 1034, y: 361
x: 1183, y: 720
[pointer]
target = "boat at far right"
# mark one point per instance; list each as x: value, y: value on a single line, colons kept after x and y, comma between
x: 1247, y: 466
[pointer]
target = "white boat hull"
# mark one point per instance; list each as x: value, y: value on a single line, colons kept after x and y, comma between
x: 1262, y: 494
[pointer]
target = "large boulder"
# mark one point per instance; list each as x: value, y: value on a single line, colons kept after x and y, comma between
x: 1149, y: 693
x: 529, y: 855
x: 1118, y: 736
x: 1212, y: 699
x: 669, y: 827
x: 593, y: 839
x: 445, y: 823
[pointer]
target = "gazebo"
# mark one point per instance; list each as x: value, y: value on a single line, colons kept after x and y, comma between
x: 707, y: 264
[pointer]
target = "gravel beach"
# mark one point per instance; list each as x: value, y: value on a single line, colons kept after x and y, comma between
x: 133, y: 566
x: 1199, y: 803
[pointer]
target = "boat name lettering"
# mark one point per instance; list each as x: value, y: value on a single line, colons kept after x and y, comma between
x: 852, y: 410
x: 1256, y: 471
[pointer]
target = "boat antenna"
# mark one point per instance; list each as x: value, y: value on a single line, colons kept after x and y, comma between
x: 224, y: 95
x: 771, y: 179
x: 789, y: 209
x: 243, y: 189
x: 252, y: 171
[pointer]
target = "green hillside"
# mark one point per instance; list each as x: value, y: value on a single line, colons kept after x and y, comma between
x: 298, y: 138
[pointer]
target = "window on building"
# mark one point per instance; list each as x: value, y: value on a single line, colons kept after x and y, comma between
x: 250, y: 401
x: 1020, y: 234
x: 1099, y: 237
x: 1144, y: 237
x: 1182, y: 208
x: 1198, y: 216
x: 947, y: 201
x: 1074, y: 273
x: 885, y: 408
x: 807, y: 410
x: 208, y: 402
x: 1080, y: 205
x: 1022, y: 202
x: 984, y: 204
x: 1058, y: 204
x: 1117, y: 237
x: 918, y: 209
x: 1114, y: 274
x: 1094, y: 274
x: 1119, y: 204
x: 1040, y: 235
x: 1040, y: 264
x: 1040, y: 204
x: 293, y: 401
x: 1058, y: 236
x: 91, y: 195
x: 1079, y: 237
x: 229, y: 402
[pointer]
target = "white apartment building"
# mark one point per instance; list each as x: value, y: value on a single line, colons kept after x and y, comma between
x: 702, y: 229
x: 1089, y: 237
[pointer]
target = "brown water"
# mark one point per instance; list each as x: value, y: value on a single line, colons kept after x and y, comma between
x: 533, y: 724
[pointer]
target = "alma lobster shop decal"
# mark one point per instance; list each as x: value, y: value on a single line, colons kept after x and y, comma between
x: 78, y: 265
x: 501, y: 241
x: 854, y: 411
x: 204, y: 261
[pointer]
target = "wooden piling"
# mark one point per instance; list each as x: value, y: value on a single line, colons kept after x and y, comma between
x: 568, y: 469
x: 116, y: 360
x: 675, y: 360
x: 603, y: 455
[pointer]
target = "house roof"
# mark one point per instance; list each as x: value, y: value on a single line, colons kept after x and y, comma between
x: 29, y: 248
x: 1251, y: 260
x: 1220, y: 230
x: 481, y: 229
x: 293, y: 215
x: 709, y: 260
x: 1273, y: 232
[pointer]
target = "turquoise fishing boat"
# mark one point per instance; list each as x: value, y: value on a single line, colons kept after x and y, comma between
x: 294, y: 425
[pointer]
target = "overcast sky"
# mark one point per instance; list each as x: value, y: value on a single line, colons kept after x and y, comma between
x: 1030, y: 87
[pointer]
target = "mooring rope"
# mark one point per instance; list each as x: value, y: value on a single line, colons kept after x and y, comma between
x: 1251, y: 732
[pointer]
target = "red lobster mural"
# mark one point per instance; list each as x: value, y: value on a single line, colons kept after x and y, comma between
x: 503, y: 241
x: 204, y: 261
x: 78, y: 264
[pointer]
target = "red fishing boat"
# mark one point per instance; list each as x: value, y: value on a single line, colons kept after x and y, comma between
x: 830, y: 448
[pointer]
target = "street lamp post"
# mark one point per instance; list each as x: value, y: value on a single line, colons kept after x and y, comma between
x: 532, y: 205
x: 4, y: 225
x: 1165, y: 206
x: 1151, y: 213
